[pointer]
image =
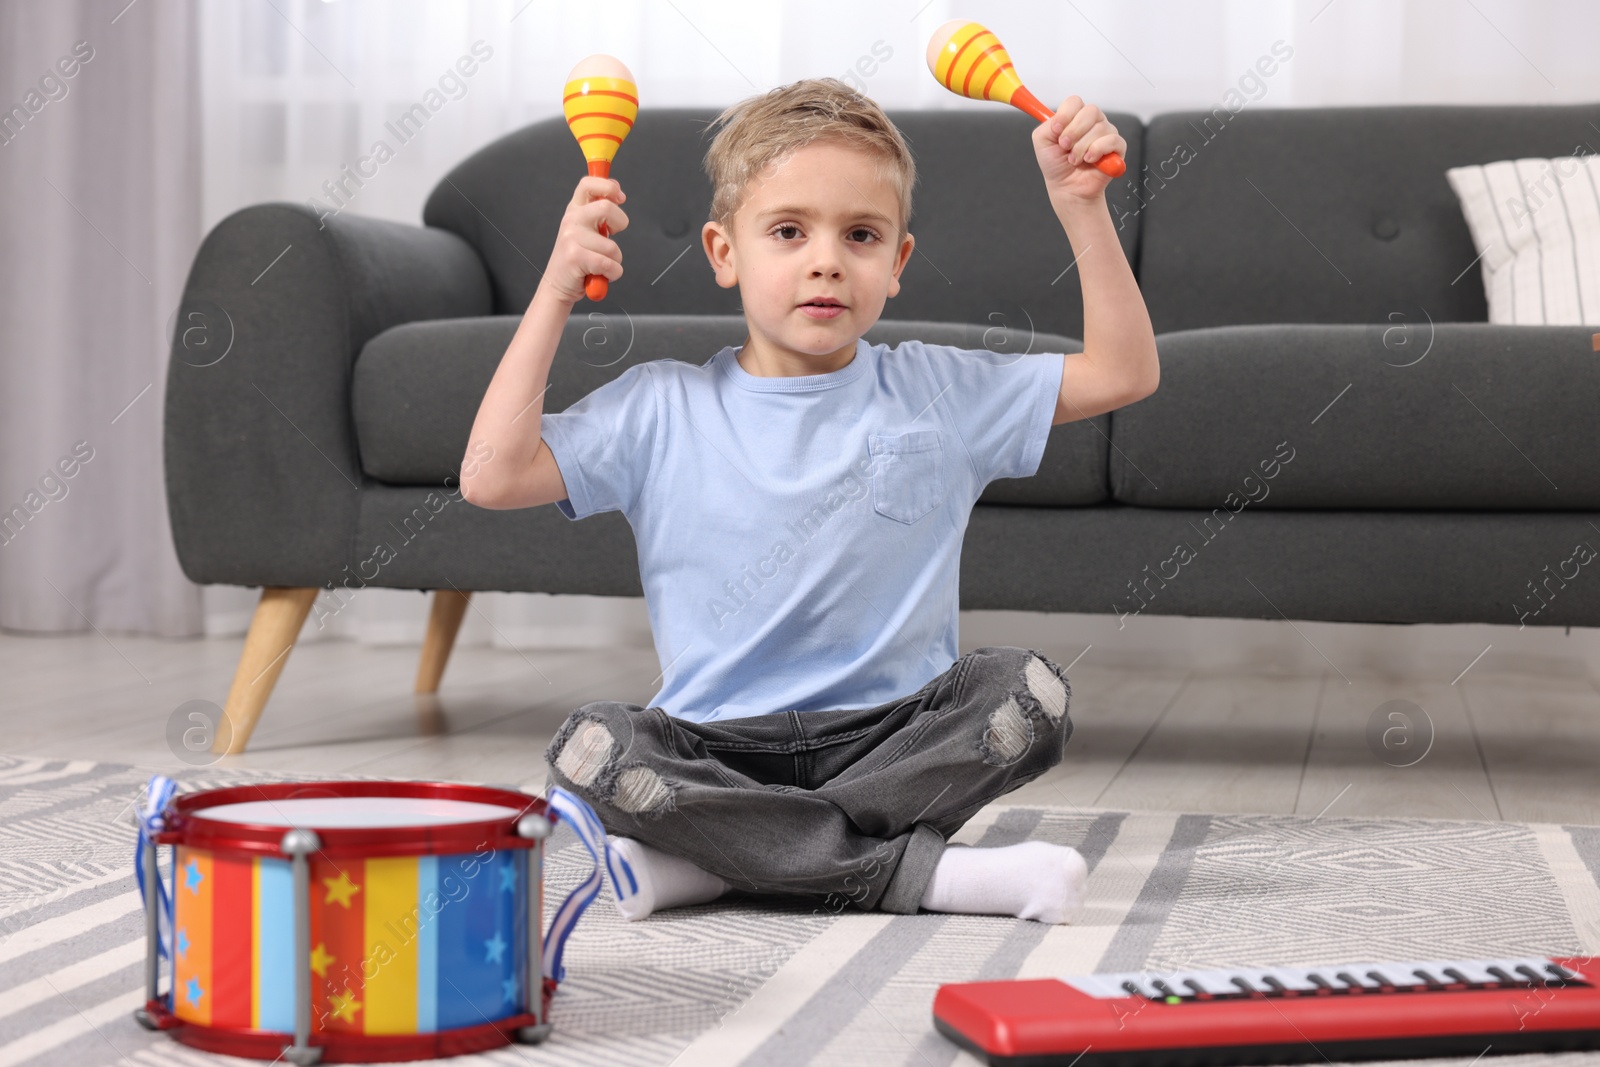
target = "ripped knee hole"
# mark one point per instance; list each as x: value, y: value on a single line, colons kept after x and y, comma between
x: 588, y: 759
x: 1008, y: 735
x: 1044, y: 697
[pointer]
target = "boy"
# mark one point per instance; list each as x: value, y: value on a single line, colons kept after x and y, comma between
x: 798, y: 505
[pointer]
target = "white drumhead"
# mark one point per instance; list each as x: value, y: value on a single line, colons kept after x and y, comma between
x: 339, y: 813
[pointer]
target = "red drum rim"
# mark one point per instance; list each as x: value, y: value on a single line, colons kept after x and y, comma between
x: 339, y: 1047
x: 218, y: 835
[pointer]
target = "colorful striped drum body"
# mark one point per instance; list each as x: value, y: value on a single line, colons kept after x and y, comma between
x: 234, y: 921
x: 400, y: 945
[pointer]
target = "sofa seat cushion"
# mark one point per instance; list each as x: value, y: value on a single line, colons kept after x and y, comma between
x: 417, y: 388
x: 1410, y: 415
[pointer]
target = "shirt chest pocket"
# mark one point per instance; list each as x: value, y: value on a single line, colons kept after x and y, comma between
x: 908, y: 479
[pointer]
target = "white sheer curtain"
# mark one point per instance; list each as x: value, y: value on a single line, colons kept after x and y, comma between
x: 99, y: 220
x: 293, y: 91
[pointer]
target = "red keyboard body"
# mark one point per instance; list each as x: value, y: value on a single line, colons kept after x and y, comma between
x: 1275, y: 1015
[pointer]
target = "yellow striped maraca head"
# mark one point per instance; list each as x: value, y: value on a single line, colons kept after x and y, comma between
x: 969, y: 60
x: 600, y: 101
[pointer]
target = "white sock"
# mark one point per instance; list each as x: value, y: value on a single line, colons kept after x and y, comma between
x: 1031, y: 880
x: 665, y: 880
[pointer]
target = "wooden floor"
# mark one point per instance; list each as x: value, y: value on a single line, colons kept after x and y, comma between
x: 1512, y: 739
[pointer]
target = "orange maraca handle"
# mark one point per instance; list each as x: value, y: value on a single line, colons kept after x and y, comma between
x: 595, y: 286
x: 1110, y: 164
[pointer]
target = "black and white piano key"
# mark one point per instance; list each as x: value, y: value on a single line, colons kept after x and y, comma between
x: 1370, y: 976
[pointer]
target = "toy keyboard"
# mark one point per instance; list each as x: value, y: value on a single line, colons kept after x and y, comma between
x: 1278, y: 1014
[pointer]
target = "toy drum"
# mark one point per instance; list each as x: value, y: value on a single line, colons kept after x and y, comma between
x: 352, y: 921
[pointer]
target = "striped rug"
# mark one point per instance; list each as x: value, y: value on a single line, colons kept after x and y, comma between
x: 765, y: 984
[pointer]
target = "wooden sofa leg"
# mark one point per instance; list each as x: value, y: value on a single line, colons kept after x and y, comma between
x: 444, y: 622
x: 280, y: 613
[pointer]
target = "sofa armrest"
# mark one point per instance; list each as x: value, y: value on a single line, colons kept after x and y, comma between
x: 262, y: 473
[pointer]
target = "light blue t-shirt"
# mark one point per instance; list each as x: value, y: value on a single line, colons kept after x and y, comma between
x: 799, y: 538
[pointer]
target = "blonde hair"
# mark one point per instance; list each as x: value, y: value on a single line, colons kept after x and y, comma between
x: 761, y: 130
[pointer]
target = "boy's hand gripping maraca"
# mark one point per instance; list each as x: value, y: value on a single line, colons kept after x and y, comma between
x: 1079, y: 150
x: 582, y: 248
x: 1070, y: 144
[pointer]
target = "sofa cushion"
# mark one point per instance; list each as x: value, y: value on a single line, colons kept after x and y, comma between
x: 417, y: 388
x: 1338, y: 214
x: 1454, y: 415
x: 989, y: 247
x: 1536, y: 225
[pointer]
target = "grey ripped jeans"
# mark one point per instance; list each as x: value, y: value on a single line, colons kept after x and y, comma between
x: 852, y: 804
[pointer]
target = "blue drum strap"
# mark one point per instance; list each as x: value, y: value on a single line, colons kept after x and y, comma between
x: 575, y: 813
x: 152, y: 817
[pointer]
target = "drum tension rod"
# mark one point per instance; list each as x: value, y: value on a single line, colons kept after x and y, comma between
x: 298, y: 844
x: 536, y: 828
x: 150, y: 862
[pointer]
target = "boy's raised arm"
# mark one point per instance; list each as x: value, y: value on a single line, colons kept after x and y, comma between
x: 507, y: 463
x: 1118, y: 364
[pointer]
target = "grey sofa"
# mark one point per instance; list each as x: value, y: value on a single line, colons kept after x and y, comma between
x: 1339, y: 433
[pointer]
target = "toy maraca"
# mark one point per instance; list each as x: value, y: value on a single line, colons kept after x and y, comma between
x: 969, y: 60
x: 600, y: 102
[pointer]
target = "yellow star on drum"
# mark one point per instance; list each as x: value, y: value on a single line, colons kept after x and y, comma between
x: 340, y: 889
x: 344, y: 1006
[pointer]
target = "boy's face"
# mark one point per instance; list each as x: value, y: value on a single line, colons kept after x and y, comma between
x: 820, y: 224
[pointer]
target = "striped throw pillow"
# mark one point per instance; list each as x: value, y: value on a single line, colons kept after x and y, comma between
x: 1536, y: 226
